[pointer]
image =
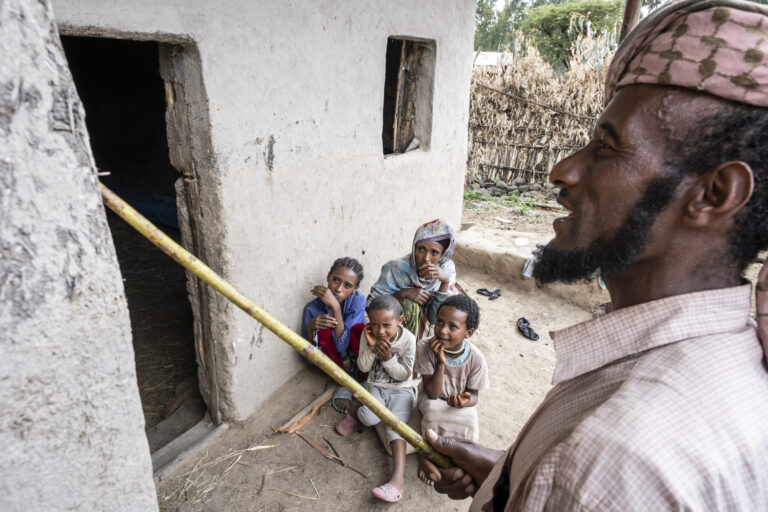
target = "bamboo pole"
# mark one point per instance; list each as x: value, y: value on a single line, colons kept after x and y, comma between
x: 302, y: 346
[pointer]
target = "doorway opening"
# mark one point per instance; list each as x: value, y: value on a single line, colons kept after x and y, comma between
x: 124, y: 97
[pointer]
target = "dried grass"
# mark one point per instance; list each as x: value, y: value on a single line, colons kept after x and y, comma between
x: 524, y: 118
x: 199, y: 481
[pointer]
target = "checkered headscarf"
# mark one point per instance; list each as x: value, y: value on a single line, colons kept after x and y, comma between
x: 716, y: 46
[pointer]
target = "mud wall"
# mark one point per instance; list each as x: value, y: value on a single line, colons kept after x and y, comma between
x: 294, y: 96
x: 71, y: 427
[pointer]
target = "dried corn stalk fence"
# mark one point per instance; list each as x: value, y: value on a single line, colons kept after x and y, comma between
x: 523, y: 118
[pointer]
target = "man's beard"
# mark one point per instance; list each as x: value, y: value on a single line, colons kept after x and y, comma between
x: 615, y: 253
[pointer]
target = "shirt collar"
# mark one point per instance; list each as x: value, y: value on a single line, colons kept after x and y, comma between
x: 592, y: 344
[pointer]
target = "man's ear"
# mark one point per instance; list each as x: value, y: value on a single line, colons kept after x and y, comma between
x: 719, y: 193
x: 469, y: 333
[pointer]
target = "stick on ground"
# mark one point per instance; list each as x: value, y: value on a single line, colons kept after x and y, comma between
x: 302, y: 417
x: 328, y: 455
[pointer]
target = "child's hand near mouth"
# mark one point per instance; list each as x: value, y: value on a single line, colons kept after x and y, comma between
x: 437, y: 348
x: 326, y: 296
x: 432, y: 271
x: 382, y: 348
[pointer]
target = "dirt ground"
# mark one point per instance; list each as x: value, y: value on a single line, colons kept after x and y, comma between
x: 251, y: 469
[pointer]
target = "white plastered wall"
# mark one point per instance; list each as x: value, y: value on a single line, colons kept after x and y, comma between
x: 71, y: 426
x: 295, y: 93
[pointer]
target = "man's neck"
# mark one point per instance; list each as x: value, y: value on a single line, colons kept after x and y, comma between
x: 654, y: 280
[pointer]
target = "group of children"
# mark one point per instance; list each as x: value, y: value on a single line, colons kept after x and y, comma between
x: 412, y: 299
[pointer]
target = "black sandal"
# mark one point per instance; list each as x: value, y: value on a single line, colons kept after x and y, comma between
x: 492, y: 295
x: 524, y: 326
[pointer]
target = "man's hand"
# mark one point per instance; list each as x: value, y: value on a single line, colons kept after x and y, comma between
x: 432, y: 271
x: 417, y: 295
x: 474, y: 462
x: 326, y: 296
x: 437, y: 348
x: 324, y: 322
x: 459, y: 401
x: 762, y: 307
x: 382, y: 348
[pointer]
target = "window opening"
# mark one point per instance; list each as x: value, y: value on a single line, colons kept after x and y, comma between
x: 408, y: 85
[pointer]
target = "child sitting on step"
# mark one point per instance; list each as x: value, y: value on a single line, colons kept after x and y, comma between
x: 387, y: 354
x: 330, y: 318
x: 423, y: 279
x: 453, y: 372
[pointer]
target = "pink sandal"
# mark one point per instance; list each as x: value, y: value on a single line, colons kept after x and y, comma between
x: 347, y: 425
x: 387, y: 492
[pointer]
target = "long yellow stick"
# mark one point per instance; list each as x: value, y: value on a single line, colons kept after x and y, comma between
x: 302, y: 346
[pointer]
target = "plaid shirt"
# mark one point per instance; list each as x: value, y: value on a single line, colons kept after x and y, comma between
x: 659, y: 406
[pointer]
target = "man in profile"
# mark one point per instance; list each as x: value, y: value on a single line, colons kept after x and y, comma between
x: 661, y: 404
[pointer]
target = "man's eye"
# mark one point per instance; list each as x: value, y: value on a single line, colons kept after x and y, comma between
x: 603, y: 145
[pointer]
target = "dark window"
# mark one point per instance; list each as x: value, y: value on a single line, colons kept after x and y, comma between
x: 408, y: 83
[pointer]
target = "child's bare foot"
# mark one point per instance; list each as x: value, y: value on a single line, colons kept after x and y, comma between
x: 425, y: 472
x: 343, y: 405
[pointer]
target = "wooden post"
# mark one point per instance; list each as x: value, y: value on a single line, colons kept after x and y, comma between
x: 631, y: 14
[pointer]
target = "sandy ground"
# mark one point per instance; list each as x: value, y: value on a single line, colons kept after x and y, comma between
x: 252, y: 469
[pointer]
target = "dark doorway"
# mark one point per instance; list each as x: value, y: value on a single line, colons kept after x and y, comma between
x: 123, y: 95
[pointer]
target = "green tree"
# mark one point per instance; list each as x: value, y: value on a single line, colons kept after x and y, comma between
x: 551, y: 26
x: 485, y: 19
x: 494, y: 29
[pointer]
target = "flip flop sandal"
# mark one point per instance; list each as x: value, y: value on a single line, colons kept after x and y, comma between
x: 388, y: 493
x: 347, y: 425
x: 492, y: 295
x: 524, y: 326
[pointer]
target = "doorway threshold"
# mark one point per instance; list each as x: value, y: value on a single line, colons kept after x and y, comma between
x: 189, y: 444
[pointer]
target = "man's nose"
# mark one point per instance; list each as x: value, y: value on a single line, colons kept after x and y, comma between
x: 567, y: 172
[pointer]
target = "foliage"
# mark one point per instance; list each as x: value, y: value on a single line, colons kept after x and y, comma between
x: 555, y: 27
x: 493, y: 30
x: 507, y: 201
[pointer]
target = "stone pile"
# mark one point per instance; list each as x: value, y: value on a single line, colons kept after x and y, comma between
x: 518, y: 187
